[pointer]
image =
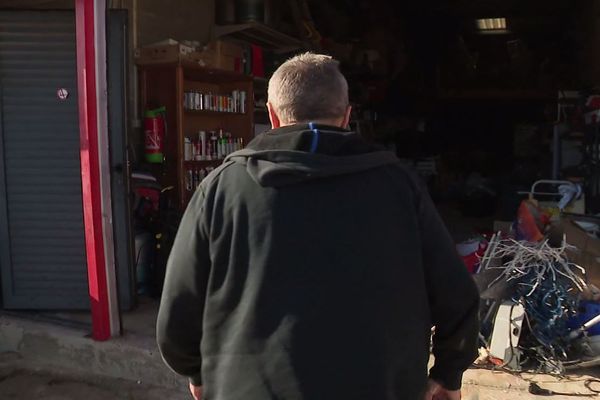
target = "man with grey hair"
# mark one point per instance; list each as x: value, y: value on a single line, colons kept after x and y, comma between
x: 312, y: 266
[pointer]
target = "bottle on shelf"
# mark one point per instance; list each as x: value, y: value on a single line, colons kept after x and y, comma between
x: 220, y: 147
x: 188, y: 180
x: 214, y: 147
x: 234, y: 102
x: 188, y: 152
x: 198, y: 149
x: 229, y: 143
x: 209, y: 151
x: 202, y: 141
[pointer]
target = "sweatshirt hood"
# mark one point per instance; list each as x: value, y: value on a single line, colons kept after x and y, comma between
x: 303, y: 152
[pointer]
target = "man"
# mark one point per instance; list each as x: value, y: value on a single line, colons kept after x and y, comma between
x: 312, y: 266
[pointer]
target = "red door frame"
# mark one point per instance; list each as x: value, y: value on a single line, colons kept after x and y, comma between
x: 99, y: 290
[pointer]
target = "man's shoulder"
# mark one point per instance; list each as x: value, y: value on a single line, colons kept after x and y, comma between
x: 214, y: 176
x: 403, y: 173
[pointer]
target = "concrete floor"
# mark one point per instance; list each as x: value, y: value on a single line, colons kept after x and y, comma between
x: 26, y: 381
x: 40, y: 360
x: 140, y: 321
x: 38, y: 383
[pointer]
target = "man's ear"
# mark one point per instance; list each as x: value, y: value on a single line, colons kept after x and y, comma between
x: 346, y: 122
x: 275, y: 122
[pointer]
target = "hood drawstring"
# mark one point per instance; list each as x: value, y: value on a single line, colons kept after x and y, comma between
x: 315, y: 138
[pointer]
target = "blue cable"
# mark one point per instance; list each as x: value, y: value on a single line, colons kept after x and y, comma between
x: 315, y: 139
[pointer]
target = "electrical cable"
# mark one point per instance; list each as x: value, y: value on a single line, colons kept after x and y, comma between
x: 535, y: 389
x: 545, y: 281
x: 588, y: 384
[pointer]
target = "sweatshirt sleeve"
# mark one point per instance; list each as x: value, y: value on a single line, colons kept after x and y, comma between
x: 453, y: 299
x: 179, y: 324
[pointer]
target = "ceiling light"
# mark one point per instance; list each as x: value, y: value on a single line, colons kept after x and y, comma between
x: 491, y: 24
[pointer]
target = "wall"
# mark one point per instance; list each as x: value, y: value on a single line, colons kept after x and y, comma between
x: 175, y: 19
x: 594, y: 69
x: 156, y: 19
x: 589, y: 14
x: 38, y: 4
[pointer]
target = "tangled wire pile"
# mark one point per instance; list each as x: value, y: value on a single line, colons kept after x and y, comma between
x: 545, y: 287
x: 535, y: 260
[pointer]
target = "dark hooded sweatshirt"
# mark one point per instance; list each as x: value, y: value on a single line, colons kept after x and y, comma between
x: 312, y: 266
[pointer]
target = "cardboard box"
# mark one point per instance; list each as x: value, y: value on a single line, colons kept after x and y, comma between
x: 219, y: 54
x: 161, y: 53
x: 171, y: 54
x: 587, y: 253
x: 227, y: 55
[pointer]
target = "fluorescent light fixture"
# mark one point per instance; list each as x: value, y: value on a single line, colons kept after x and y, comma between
x: 491, y: 24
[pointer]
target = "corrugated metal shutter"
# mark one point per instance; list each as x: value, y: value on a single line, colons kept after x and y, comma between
x: 42, y: 245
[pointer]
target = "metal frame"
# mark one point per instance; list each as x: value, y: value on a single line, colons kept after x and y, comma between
x: 7, y: 285
x: 120, y: 171
x: 94, y: 132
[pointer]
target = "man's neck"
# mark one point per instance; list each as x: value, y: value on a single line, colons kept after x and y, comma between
x: 331, y: 122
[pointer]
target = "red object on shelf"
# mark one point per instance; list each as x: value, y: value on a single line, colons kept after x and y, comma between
x: 258, y: 62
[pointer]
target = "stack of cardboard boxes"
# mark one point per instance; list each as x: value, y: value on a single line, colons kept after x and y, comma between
x: 219, y: 54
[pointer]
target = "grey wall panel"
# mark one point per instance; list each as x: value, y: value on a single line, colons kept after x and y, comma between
x: 43, y: 264
x: 117, y: 127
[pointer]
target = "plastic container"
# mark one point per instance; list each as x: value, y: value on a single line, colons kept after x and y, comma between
x: 586, y: 311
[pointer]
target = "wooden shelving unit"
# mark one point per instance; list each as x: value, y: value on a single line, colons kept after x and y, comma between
x: 165, y: 85
x: 208, y: 112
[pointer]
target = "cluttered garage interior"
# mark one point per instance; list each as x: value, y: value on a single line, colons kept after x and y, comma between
x: 495, y: 104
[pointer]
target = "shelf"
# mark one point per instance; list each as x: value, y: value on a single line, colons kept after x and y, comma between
x: 213, y: 113
x: 260, y: 34
x: 195, y: 73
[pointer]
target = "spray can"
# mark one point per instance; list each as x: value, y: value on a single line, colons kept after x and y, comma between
x: 202, y: 141
x: 209, y: 150
x: 214, y: 145
x: 189, y: 179
x: 220, y: 147
x: 187, y: 149
x: 197, y: 150
x: 243, y: 102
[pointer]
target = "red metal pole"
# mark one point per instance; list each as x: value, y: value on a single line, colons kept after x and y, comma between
x: 90, y: 169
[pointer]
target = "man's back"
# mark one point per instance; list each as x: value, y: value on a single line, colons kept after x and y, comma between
x: 319, y: 275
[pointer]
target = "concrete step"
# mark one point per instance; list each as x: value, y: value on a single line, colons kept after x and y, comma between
x: 135, y: 358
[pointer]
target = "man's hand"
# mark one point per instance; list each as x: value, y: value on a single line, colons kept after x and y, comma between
x: 196, y: 392
x: 435, y: 391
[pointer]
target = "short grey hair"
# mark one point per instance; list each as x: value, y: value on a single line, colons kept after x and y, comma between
x: 308, y: 87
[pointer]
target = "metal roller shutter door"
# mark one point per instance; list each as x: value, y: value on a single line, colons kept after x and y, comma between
x: 42, y: 245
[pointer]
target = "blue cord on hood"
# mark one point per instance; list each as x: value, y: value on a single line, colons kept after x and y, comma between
x: 315, y: 139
